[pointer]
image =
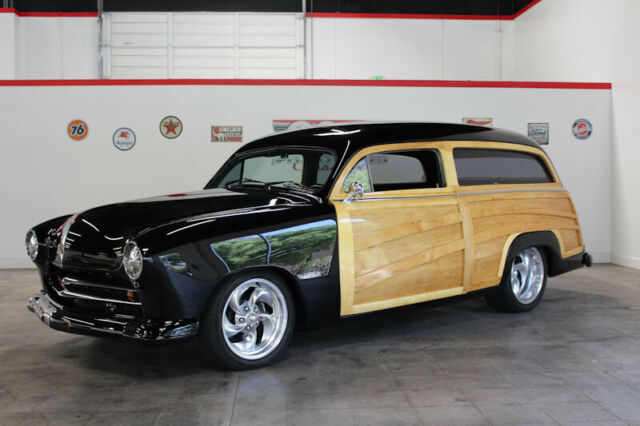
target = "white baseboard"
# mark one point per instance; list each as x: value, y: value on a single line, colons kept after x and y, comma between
x: 16, y: 263
x: 601, y: 257
x: 628, y: 261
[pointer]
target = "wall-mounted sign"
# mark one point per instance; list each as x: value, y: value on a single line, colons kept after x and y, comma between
x: 539, y: 132
x: 124, y: 139
x: 77, y: 130
x: 582, y: 128
x: 487, y: 121
x: 280, y: 125
x: 171, y: 127
x: 226, y: 133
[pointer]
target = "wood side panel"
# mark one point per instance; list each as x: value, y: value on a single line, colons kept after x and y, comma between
x: 571, y: 239
x: 486, y: 268
x: 496, y: 225
x: 500, y: 217
x: 386, y: 255
x: 397, y: 249
x: 442, y: 274
x: 345, y: 262
x: 408, y: 246
x: 552, y: 206
x: 406, y: 264
x: 377, y: 235
x: 539, y: 191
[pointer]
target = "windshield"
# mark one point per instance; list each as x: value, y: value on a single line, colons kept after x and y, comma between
x: 294, y: 168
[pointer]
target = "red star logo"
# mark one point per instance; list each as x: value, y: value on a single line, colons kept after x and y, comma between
x: 171, y: 127
x: 124, y: 134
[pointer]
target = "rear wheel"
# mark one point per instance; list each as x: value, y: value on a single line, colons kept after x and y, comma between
x: 523, y: 282
x: 249, y: 321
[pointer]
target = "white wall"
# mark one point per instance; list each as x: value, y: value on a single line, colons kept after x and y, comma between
x: 594, y: 40
x: 7, y: 46
x: 57, y: 48
x: 411, y: 49
x: 341, y: 48
x: 46, y: 174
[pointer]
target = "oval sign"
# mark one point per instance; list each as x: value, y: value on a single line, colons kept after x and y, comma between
x: 124, y: 139
x: 171, y: 127
x: 582, y: 128
x: 77, y: 130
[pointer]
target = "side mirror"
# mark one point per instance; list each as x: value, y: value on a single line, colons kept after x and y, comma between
x: 355, y: 192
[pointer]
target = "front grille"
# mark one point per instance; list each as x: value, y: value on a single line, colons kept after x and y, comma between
x: 96, y: 297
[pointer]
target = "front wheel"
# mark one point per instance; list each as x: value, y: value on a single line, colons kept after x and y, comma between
x: 248, y: 322
x: 523, y: 282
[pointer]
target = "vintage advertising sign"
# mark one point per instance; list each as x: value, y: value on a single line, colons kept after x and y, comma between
x: 77, y: 130
x: 539, y: 132
x: 171, y: 127
x: 488, y: 121
x: 124, y: 139
x: 226, y: 133
x: 281, y: 125
x: 582, y: 128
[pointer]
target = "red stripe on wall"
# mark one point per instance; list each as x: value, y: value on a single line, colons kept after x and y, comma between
x: 406, y: 16
x: 314, y: 14
x: 50, y: 14
x: 262, y: 82
x: 527, y: 7
x: 57, y: 14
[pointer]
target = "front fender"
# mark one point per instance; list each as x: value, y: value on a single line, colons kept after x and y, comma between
x: 178, y: 280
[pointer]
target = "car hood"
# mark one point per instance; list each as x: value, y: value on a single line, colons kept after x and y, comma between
x: 96, y: 237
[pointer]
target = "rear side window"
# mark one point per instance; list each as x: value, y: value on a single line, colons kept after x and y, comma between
x: 494, y: 166
x: 396, y: 171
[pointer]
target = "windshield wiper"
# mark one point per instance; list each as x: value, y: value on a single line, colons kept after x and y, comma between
x: 290, y: 184
x: 243, y: 181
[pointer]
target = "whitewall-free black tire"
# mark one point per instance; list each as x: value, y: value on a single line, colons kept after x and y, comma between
x: 524, y: 280
x: 249, y: 321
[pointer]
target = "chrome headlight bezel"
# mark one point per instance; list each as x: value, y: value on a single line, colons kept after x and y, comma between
x: 31, y: 243
x: 132, y: 260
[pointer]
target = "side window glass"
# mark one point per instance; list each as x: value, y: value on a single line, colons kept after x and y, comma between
x: 494, y: 166
x: 396, y: 171
x: 326, y: 163
x: 360, y: 174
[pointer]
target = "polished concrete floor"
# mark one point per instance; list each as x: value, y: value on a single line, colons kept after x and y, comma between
x: 574, y: 359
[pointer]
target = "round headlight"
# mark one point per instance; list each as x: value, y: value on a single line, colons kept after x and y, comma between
x: 132, y: 260
x: 31, y: 241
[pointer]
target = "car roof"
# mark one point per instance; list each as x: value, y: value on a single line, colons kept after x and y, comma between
x: 356, y: 136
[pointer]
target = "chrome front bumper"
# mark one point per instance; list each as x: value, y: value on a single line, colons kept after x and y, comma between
x: 59, y: 318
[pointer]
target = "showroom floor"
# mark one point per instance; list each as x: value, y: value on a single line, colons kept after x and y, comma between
x: 575, y: 359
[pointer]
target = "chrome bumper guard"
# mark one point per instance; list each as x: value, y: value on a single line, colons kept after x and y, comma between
x: 57, y: 317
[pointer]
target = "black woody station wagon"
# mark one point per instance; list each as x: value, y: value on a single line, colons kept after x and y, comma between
x: 308, y: 226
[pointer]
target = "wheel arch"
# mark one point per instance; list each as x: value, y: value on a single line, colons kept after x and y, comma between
x: 290, y: 281
x: 547, y: 241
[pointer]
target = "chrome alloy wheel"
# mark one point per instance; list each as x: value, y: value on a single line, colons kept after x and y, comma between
x: 254, y: 319
x: 527, y: 275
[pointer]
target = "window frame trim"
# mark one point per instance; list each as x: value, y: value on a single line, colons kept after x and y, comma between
x: 445, y: 150
x: 549, y: 171
x: 337, y: 193
x: 399, y: 152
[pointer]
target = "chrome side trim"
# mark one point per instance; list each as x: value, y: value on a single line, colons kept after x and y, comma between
x: 514, y: 190
x: 462, y: 194
x: 67, y: 293
x: 73, y: 281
